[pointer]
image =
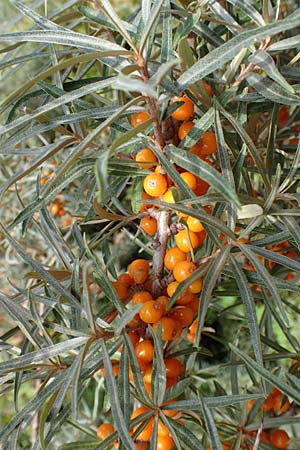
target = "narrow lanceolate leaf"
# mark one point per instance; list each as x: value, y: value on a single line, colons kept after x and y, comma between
x: 124, y: 386
x: 285, y: 44
x: 226, y: 400
x: 63, y: 100
x: 277, y: 258
x: 158, y: 381
x: 63, y: 38
x: 211, y: 426
x: 268, y: 375
x: 248, y: 300
x: 266, y: 62
x: 116, y: 409
x: 203, y: 170
x: 157, y: 4
x: 247, y: 8
x: 219, y: 56
x: 271, y: 90
x: 42, y: 355
x: 265, y: 276
x: 188, y: 439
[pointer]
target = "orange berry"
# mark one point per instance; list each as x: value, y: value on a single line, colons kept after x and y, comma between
x: 196, y: 150
x: 169, y: 328
x: 134, y: 337
x: 164, y: 443
x: 283, y: 116
x: 163, y: 300
x: 139, y: 118
x: 208, y: 88
x: 147, y: 376
x: 184, y: 129
x: 190, y: 179
x: 186, y: 298
x: 146, y: 158
x: 146, y: 433
x: 193, y: 327
x: 194, y: 224
x: 55, y: 209
x: 162, y: 430
x: 202, y: 187
x: 201, y: 236
x: 172, y: 288
x: 168, y: 197
x: 194, y: 305
x: 280, y: 439
x: 155, y: 184
x: 126, y: 279
x: 141, y: 297
x: 151, y: 311
x: 121, y: 289
x: 182, y: 314
x: 170, y: 412
x: 149, y: 225
x: 184, y: 111
x: 191, y: 337
x: 105, y: 430
x: 174, y: 367
x: 141, y: 446
x: 144, y: 351
x: 183, y: 270
x: 196, y: 286
x: 171, y: 382
x: 186, y: 239
x: 139, y: 270
x: 43, y: 180
x: 208, y: 143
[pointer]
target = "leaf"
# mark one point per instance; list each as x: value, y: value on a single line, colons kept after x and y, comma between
x: 249, y: 211
x: 158, y: 380
x: 271, y: 90
x: 219, y: 56
x: 131, y: 84
x: 151, y: 19
x: 276, y: 257
x: 247, y: 8
x: 266, y: 62
x: 267, y: 375
x: 186, y: 436
x: 118, y: 416
x: 285, y: 44
x: 211, y: 426
x: 223, y: 401
x: 194, y: 164
x: 250, y: 308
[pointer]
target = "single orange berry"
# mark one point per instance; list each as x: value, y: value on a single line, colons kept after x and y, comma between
x: 151, y: 311
x: 43, y: 180
x: 194, y: 224
x: 146, y: 158
x: 174, y: 367
x: 141, y: 446
x: 168, y: 197
x: 201, y: 188
x: 171, y: 288
x: 139, y: 270
x: 134, y: 337
x: 283, y: 116
x: 55, y: 209
x: 186, y: 239
x: 208, y: 143
x: 144, y: 351
x: 171, y: 382
x: 145, y: 206
x: 196, y: 150
x: 105, y: 430
x: 280, y: 439
x: 183, y: 270
x: 196, y: 286
x: 147, y: 375
x: 201, y: 236
x: 169, y: 328
x: 208, y: 88
x: 126, y: 279
x: 163, y: 300
x: 182, y: 314
x: 141, y: 297
x: 173, y: 256
x: 149, y: 225
x: 139, y: 118
x: 164, y: 443
x: 162, y: 430
x: 186, y: 298
x: 121, y: 289
x: 279, y: 405
x: 184, y: 111
x: 155, y: 184
x: 184, y: 129
x: 191, y: 337
x: 190, y: 179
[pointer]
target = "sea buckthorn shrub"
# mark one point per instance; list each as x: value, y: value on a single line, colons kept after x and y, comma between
x: 150, y: 197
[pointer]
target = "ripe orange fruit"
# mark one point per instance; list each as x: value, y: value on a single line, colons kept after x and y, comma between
x: 139, y: 270
x: 146, y: 158
x: 164, y: 443
x: 141, y: 446
x: 184, y: 111
x: 174, y: 367
x: 141, y: 297
x: 145, y: 206
x: 196, y: 286
x: 169, y: 328
x: 139, y: 118
x: 280, y: 439
x: 183, y: 270
x: 190, y: 179
x: 186, y: 239
x: 201, y: 188
x: 155, y: 184
x: 163, y: 300
x: 173, y: 256
x: 144, y: 351
x: 182, y: 314
x: 194, y: 224
x: 184, y: 129
x: 151, y: 311
x: 126, y: 279
x: 121, y: 289
x: 208, y: 143
x: 105, y: 430
x: 149, y: 225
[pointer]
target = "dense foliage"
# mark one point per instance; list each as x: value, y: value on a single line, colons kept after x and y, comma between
x: 150, y: 225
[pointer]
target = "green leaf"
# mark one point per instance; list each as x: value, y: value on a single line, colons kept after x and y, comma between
x: 158, y: 380
x: 267, y: 375
x: 211, y: 426
x: 271, y: 90
x: 194, y: 164
x: 285, y: 44
x: 219, y: 56
x: 186, y: 436
x: 154, y: 13
x: 116, y: 409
